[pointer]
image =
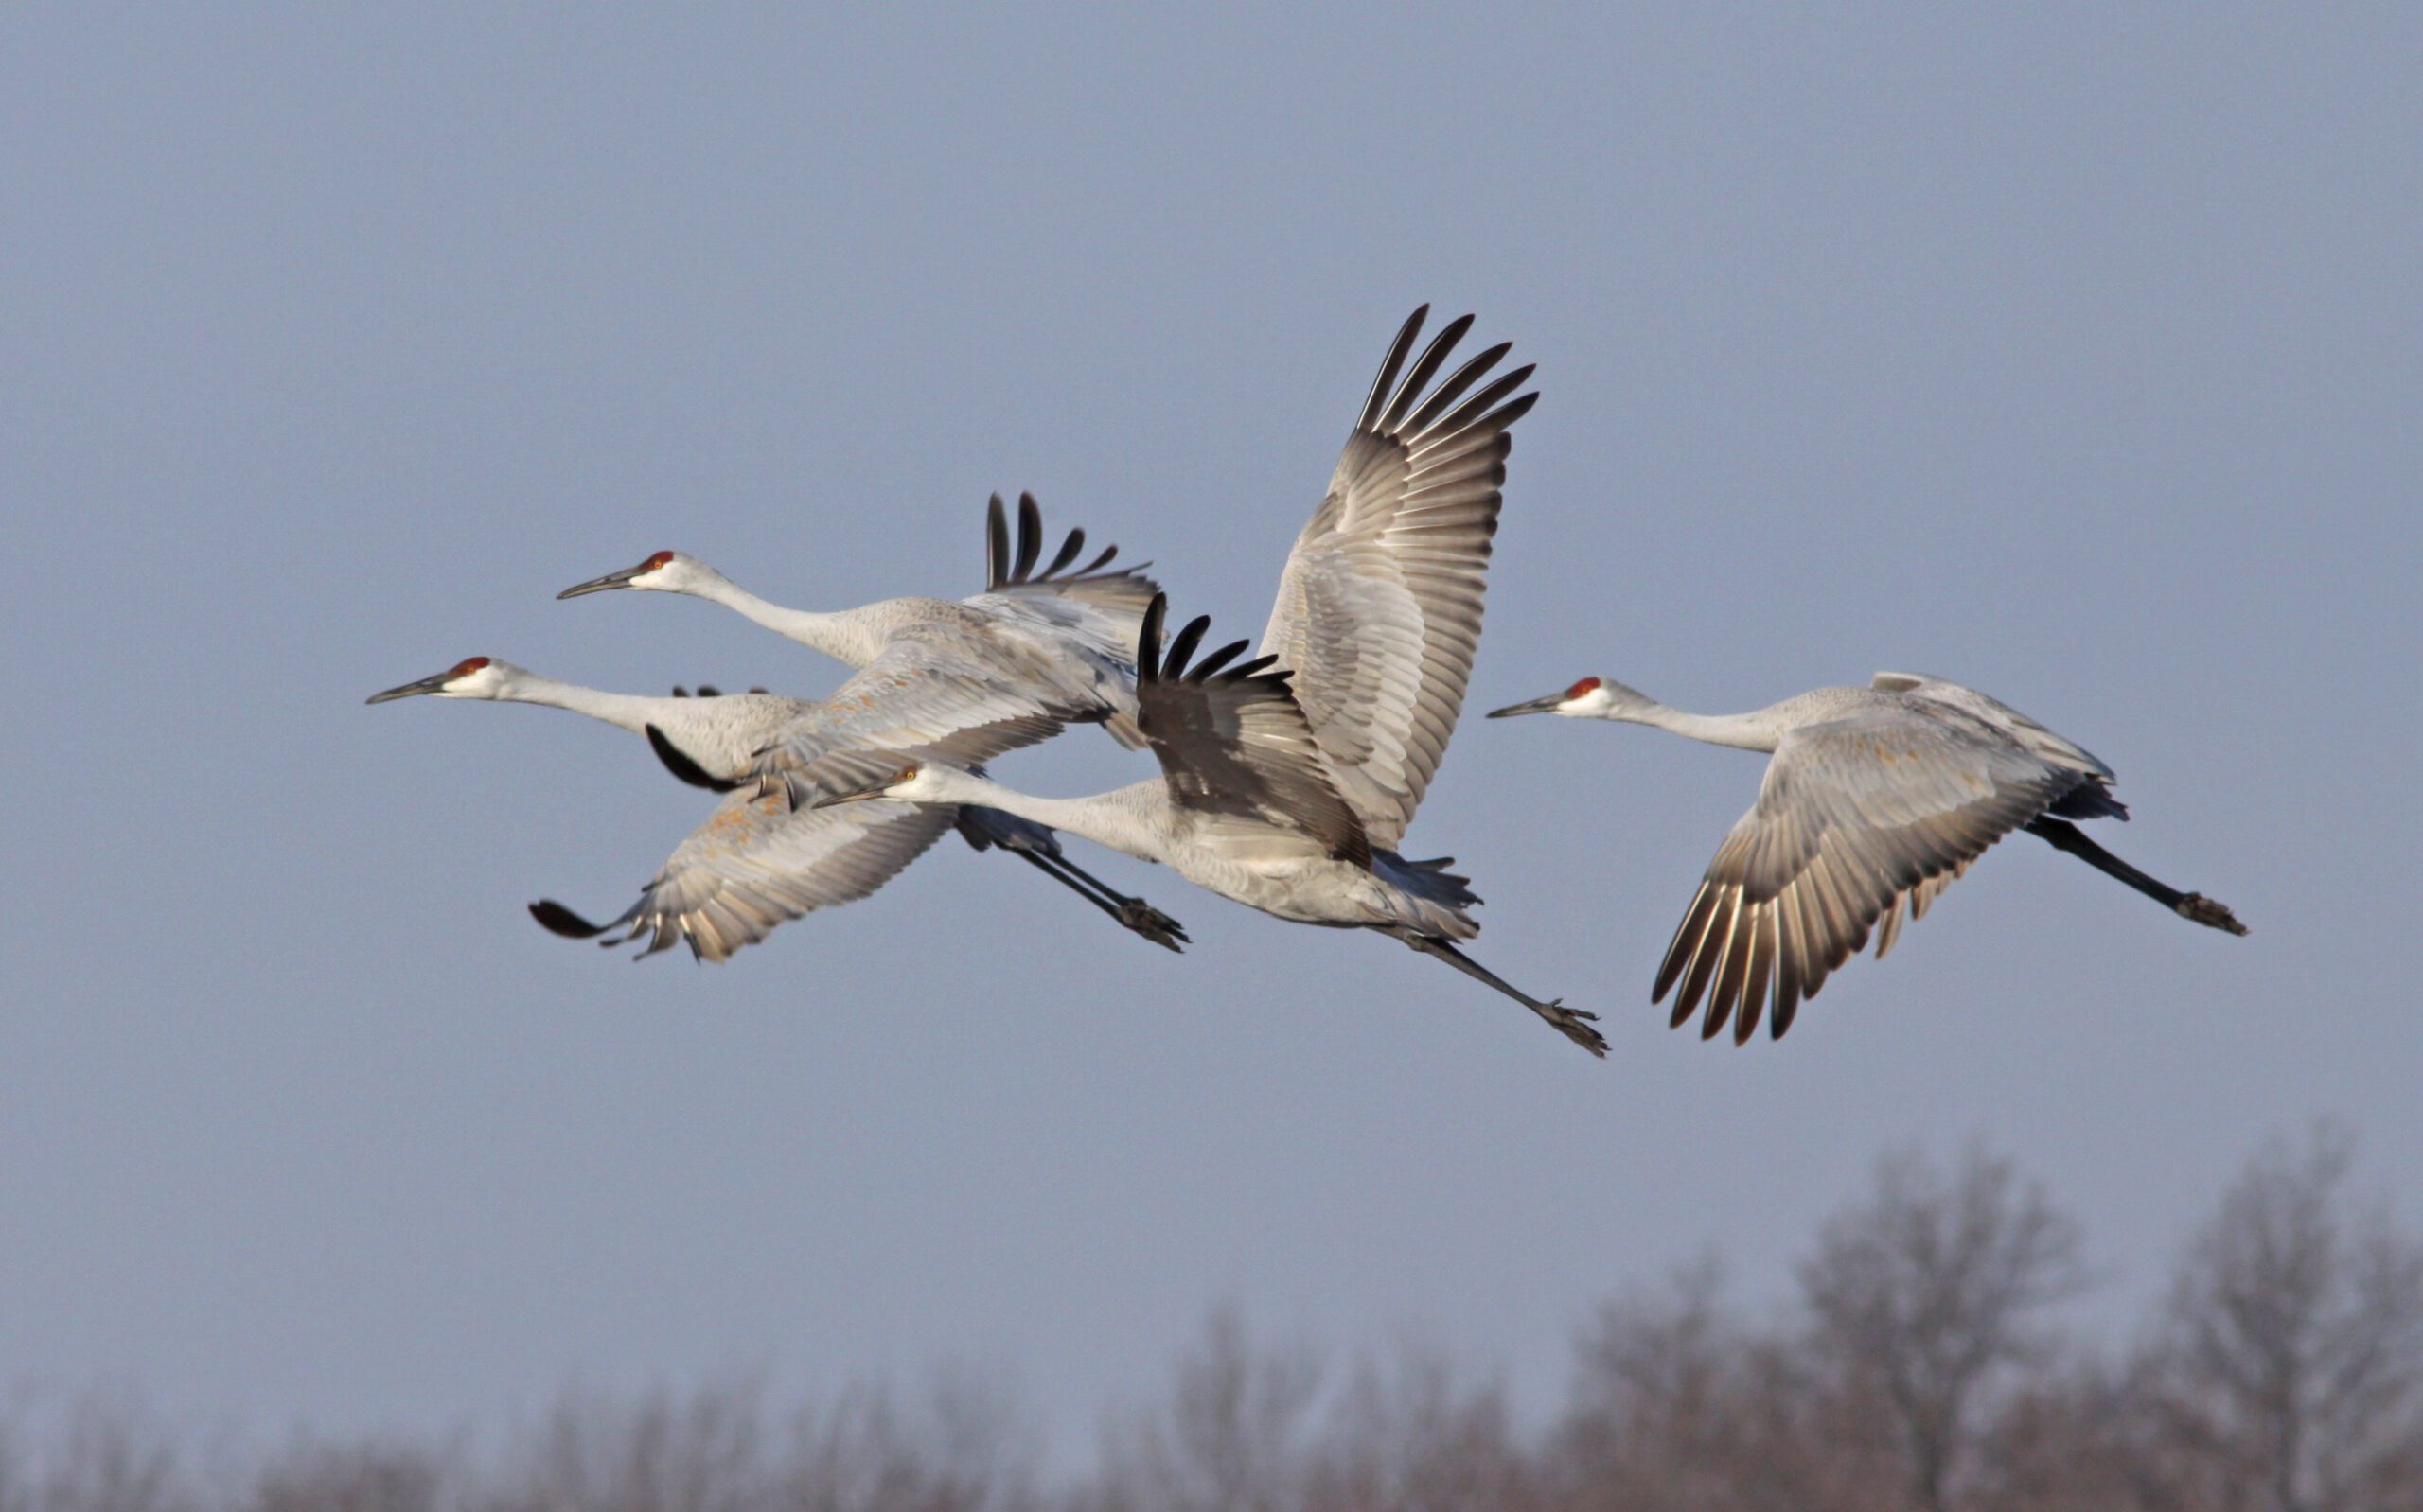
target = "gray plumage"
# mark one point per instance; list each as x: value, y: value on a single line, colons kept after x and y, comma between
x: 1287, y: 786
x: 1875, y: 800
x: 1061, y: 636
x: 759, y: 860
x: 1379, y: 607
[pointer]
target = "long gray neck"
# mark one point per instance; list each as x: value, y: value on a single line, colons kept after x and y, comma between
x: 1756, y: 731
x: 1119, y: 819
x: 626, y: 711
x: 850, y: 637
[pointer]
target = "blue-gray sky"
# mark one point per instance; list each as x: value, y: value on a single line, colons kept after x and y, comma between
x: 2070, y: 352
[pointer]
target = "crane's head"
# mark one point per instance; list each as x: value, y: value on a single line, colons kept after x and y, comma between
x: 917, y: 783
x: 665, y: 572
x: 1590, y: 698
x: 472, y: 677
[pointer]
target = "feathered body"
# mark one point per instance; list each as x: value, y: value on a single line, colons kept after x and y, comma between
x: 1875, y: 800
x: 1287, y: 781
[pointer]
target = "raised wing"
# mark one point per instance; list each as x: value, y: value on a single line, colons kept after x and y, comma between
x: 1857, y: 818
x: 933, y: 693
x: 1380, y: 607
x: 754, y: 865
x: 1094, y: 610
x: 1232, y: 742
x: 1103, y: 595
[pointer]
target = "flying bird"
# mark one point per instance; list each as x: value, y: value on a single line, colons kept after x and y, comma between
x: 1064, y: 631
x: 1287, y: 780
x: 759, y: 861
x: 1875, y: 800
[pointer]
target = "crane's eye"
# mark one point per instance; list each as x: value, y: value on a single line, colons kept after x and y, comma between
x: 660, y: 559
x: 1586, y: 685
x: 906, y: 774
x: 464, y: 668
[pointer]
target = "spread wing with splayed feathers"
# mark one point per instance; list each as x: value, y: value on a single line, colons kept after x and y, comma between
x: 1857, y: 819
x: 756, y: 863
x: 1232, y: 741
x: 1379, y: 609
x: 1094, y: 609
x: 1111, y: 595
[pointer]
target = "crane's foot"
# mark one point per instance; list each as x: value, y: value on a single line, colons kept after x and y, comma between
x: 2209, y: 913
x: 1153, y: 924
x: 1574, y: 1023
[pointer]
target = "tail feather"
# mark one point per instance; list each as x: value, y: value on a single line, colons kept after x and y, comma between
x: 1442, y: 894
x: 2091, y: 800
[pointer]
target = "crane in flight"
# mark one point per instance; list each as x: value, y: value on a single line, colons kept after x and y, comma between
x: 757, y: 861
x: 1287, y: 780
x: 1875, y: 799
x: 1066, y: 629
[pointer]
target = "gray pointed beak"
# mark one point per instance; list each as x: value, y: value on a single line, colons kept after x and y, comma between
x: 599, y: 585
x: 430, y: 684
x: 855, y: 794
x: 1537, y: 706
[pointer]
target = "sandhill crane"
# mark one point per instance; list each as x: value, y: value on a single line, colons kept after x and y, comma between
x: 1064, y: 629
x: 757, y: 862
x: 1876, y: 799
x: 1287, y: 781
x: 1246, y: 806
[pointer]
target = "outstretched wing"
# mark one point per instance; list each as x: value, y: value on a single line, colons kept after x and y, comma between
x: 1380, y: 607
x: 756, y: 863
x: 1857, y: 818
x: 932, y: 693
x: 1096, y: 610
x: 1232, y: 742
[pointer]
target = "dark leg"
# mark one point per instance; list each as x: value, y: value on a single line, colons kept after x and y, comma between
x: 1133, y: 913
x: 1570, y: 1022
x: 2063, y: 835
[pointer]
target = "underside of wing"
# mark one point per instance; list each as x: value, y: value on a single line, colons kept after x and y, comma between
x: 1232, y: 742
x: 756, y: 863
x: 1379, y: 609
x: 1857, y: 820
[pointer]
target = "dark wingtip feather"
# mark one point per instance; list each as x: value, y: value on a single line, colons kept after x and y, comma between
x: 1068, y: 550
x: 677, y: 762
x: 1425, y: 367
x: 1516, y: 409
x: 997, y: 544
x: 1182, y: 645
x: 557, y: 919
x: 1384, y: 383
x: 1205, y: 666
x: 1030, y: 538
x: 1149, y: 640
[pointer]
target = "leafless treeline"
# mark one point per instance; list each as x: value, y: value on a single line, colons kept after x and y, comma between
x: 1924, y: 1366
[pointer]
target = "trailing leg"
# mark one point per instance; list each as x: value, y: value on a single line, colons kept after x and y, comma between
x: 1572, y: 1023
x: 2063, y: 835
x: 1132, y: 913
